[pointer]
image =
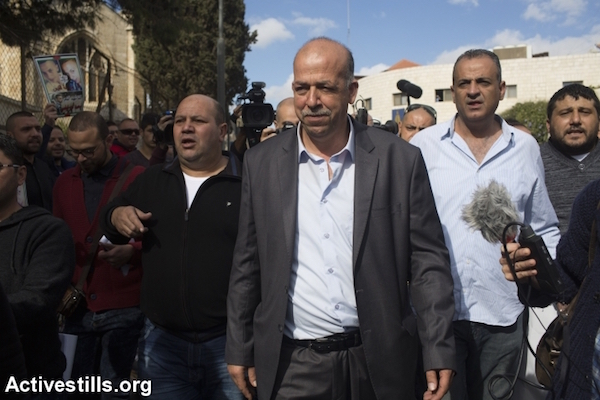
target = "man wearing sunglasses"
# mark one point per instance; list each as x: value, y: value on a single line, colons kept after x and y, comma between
x: 416, y: 118
x: 127, y: 138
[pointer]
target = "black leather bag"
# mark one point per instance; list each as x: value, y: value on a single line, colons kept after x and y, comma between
x: 74, y: 294
x: 70, y: 301
x: 552, y: 343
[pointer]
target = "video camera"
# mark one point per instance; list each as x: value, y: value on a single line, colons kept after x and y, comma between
x: 389, y: 126
x: 166, y: 136
x: 256, y: 114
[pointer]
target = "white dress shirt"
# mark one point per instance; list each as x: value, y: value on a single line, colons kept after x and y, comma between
x: 321, y: 298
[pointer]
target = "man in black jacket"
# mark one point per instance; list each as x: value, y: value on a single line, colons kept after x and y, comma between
x: 24, y: 127
x: 187, y: 212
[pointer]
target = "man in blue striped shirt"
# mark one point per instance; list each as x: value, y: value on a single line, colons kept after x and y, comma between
x: 463, y: 154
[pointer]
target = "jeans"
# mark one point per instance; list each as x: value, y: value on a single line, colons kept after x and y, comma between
x: 483, y: 353
x: 106, y: 344
x: 180, y: 369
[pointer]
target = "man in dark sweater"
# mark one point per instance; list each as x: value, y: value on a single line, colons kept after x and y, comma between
x: 571, y: 156
x: 38, y: 257
x: 579, y: 378
x: 187, y: 214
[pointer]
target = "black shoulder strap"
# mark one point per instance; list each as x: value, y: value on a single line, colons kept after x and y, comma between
x: 98, y: 233
x: 593, y: 239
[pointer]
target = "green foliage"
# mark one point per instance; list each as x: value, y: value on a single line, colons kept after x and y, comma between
x: 532, y: 114
x: 23, y: 22
x: 176, y: 47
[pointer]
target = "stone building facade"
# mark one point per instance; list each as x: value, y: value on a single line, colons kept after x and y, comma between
x: 105, y: 50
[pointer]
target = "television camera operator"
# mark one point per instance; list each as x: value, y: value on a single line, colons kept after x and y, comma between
x: 163, y: 137
x: 285, y: 118
x: 252, y: 117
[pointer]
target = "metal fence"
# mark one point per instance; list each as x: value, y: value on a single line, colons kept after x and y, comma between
x: 20, y: 86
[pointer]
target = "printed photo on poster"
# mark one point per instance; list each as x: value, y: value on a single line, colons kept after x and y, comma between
x: 60, y: 75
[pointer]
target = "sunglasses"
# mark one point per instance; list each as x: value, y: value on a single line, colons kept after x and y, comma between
x: 129, y: 132
x: 430, y: 110
x: 87, y: 153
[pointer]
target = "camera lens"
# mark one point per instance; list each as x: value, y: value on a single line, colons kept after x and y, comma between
x: 257, y: 115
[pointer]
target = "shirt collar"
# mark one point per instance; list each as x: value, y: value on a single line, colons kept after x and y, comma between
x: 507, y: 133
x: 350, y: 147
x: 106, y: 170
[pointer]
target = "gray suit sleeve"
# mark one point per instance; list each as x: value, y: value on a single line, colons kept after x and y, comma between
x: 431, y: 280
x: 244, y: 285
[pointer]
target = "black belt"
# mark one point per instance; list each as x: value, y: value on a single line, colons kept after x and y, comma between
x: 198, y: 336
x: 337, y: 342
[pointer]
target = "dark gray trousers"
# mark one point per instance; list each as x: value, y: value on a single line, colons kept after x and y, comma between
x: 306, y: 374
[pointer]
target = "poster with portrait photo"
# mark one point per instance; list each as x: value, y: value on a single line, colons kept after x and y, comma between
x: 60, y: 75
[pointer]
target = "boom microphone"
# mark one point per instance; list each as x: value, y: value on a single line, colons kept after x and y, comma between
x: 408, y: 88
x: 490, y: 211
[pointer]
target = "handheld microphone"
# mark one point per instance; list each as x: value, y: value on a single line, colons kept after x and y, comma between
x: 490, y: 211
x: 408, y: 88
x: 547, y: 274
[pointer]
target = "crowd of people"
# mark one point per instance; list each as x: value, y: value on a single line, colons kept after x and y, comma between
x: 331, y: 260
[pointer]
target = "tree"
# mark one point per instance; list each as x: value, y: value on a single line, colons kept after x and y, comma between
x: 532, y: 114
x: 176, y: 47
x: 23, y: 22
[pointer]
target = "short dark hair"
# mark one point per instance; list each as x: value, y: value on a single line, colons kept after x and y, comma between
x: 126, y: 119
x: 10, y: 121
x: 111, y: 123
x: 89, y: 119
x: 428, y: 109
x: 8, y: 145
x: 349, y: 59
x: 476, y: 53
x: 149, y: 119
x: 575, y: 90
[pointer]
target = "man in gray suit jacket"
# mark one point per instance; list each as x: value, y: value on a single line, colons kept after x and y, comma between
x: 337, y: 228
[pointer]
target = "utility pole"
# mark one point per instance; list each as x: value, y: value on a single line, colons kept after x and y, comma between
x: 221, y: 61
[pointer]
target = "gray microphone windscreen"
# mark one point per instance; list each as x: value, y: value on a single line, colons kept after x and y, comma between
x: 490, y: 211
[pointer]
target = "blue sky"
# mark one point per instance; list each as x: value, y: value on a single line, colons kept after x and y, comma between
x: 383, y: 32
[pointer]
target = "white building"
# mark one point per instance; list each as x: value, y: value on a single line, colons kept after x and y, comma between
x: 527, y: 77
